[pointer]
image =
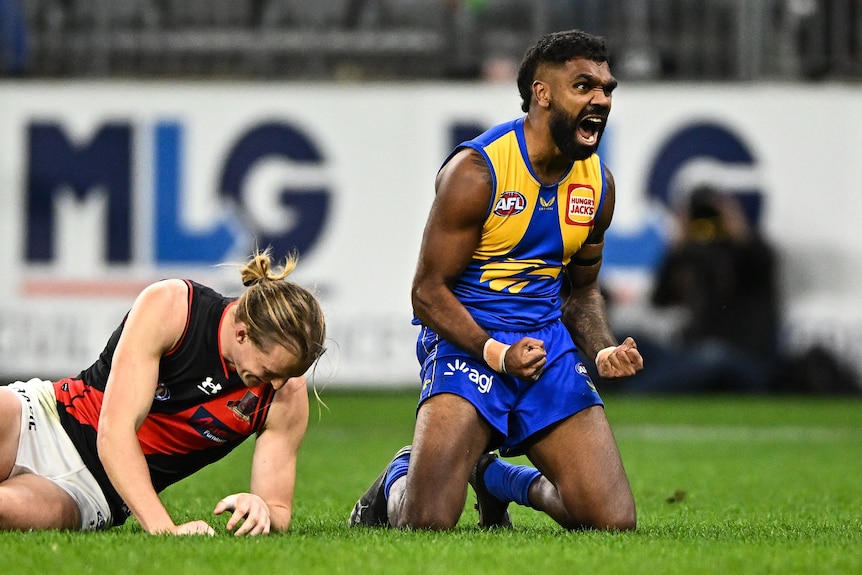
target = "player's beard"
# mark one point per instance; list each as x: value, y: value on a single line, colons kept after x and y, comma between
x: 564, y: 131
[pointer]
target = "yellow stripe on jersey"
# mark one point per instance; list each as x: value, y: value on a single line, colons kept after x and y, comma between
x: 514, y: 275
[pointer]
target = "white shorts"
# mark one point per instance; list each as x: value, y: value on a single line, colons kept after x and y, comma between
x: 44, y: 448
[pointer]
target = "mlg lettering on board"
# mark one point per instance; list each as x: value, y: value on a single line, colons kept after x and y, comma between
x: 288, y: 217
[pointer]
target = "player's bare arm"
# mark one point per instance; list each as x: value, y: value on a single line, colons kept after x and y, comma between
x: 584, y: 310
x: 464, y: 188
x: 154, y: 325
x: 269, y: 506
x: 453, y: 230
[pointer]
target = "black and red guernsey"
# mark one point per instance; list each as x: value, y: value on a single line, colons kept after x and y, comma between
x: 201, y: 409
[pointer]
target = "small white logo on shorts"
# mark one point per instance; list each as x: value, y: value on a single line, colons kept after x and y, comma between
x: 483, y: 382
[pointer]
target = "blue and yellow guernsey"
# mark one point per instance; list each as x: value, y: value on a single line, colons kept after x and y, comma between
x: 531, y: 232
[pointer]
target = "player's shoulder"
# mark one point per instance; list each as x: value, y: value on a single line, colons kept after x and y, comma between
x: 167, y: 288
x: 167, y: 296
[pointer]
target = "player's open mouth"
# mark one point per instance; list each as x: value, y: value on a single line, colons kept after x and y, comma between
x: 590, y: 128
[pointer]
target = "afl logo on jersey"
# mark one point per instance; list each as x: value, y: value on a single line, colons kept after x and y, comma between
x: 510, y: 204
x: 580, y: 205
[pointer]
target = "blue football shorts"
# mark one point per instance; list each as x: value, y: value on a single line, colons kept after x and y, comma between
x: 517, y: 409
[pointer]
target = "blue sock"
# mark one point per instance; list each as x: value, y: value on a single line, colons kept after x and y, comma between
x: 397, y: 469
x: 509, y: 482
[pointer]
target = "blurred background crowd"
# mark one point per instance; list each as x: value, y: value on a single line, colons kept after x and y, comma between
x: 680, y: 40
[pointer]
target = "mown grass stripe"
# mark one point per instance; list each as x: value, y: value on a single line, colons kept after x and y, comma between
x: 708, y: 433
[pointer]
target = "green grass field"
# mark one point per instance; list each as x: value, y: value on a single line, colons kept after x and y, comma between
x: 723, y: 485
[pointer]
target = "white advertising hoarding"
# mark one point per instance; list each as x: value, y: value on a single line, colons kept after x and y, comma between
x: 105, y: 187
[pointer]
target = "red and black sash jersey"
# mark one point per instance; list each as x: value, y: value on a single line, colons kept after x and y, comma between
x: 201, y: 410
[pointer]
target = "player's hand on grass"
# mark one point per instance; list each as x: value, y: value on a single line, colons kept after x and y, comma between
x: 193, y: 528
x: 250, y: 514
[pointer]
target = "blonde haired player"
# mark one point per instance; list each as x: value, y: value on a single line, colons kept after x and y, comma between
x: 187, y: 376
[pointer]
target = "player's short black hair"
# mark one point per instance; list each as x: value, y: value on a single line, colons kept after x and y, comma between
x: 557, y: 48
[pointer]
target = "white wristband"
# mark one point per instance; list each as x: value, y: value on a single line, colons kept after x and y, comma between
x: 494, y: 354
x: 603, y: 353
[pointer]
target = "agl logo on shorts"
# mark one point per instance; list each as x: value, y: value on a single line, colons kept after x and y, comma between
x: 483, y: 382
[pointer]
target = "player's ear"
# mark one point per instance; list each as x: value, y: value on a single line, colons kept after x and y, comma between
x: 241, y: 333
x: 541, y: 93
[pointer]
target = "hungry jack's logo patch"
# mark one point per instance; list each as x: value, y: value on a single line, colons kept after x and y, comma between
x: 580, y: 205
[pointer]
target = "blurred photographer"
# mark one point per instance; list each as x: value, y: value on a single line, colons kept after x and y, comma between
x: 721, y: 273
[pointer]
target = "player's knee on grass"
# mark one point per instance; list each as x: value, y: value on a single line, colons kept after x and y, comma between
x: 619, y: 516
x: 425, y: 516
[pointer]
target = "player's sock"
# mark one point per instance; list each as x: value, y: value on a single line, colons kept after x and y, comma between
x: 509, y: 482
x: 397, y: 469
